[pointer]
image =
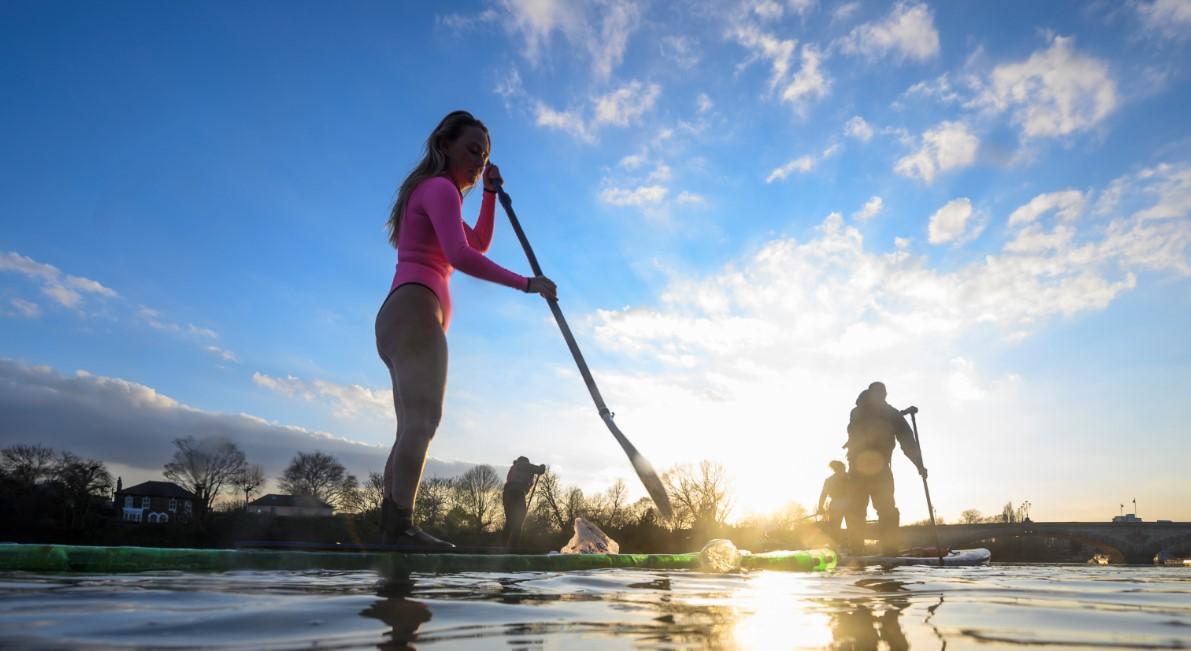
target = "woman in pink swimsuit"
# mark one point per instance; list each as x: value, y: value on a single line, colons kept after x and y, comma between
x: 426, y: 226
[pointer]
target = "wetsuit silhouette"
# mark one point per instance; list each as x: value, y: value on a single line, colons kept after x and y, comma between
x: 874, y: 427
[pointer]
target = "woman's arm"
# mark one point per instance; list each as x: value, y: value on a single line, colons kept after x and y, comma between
x: 440, y: 200
x: 480, y: 236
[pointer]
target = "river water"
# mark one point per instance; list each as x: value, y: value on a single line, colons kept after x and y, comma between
x: 997, y: 606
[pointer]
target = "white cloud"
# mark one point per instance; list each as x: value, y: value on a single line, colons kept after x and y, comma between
x: 872, y: 208
x: 940, y: 88
x: 685, y: 198
x: 788, y: 299
x: 950, y: 223
x: 844, y: 11
x: 566, y: 121
x: 619, y: 20
x: 1169, y: 18
x: 778, y: 52
x: 510, y: 88
x: 633, y: 161
x: 908, y: 32
x: 222, y: 353
x: 620, y: 107
x: 1068, y: 203
x: 661, y: 174
x: 154, y: 319
x: 639, y: 197
x: 600, y: 30
x: 466, y: 22
x: 857, y: 128
x: 64, y: 289
x: 703, y: 104
x: 809, y: 83
x: 799, y: 89
x: 767, y: 9
x: 802, y: 164
x: 1055, y: 92
x: 948, y: 146
x: 625, y: 104
x: 345, y: 401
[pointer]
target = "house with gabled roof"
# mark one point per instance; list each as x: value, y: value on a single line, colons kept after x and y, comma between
x: 155, y: 502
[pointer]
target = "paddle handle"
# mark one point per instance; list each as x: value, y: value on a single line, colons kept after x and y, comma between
x: 925, y: 487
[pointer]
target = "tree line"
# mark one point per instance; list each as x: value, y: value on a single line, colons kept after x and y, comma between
x: 221, y: 477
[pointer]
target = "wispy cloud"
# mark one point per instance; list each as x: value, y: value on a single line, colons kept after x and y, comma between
x: 345, y: 401
x: 25, y: 308
x: 682, y: 51
x: 63, y: 288
x: 1168, y: 18
x: 800, y: 165
x: 601, y: 30
x: 872, y: 208
x: 639, y: 197
x: 569, y: 122
x: 626, y: 104
x: 620, y: 107
x: 799, y: 88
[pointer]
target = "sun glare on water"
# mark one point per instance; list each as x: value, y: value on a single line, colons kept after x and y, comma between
x: 771, y: 616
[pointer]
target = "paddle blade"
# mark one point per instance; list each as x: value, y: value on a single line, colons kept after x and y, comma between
x: 653, y: 484
x: 645, y: 471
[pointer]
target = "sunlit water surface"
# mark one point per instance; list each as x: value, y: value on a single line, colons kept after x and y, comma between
x: 921, y: 608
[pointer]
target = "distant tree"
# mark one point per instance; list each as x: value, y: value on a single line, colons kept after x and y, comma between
x: 321, y: 476
x: 700, y: 496
x: 433, y: 503
x: 611, y: 507
x: 82, y: 481
x: 248, y: 480
x: 372, y: 492
x: 204, y: 466
x: 1008, y: 513
x: 788, y: 516
x: 476, y: 496
x: 350, y: 496
x: 970, y: 516
x: 549, y: 501
x: 575, y: 505
x: 27, y: 464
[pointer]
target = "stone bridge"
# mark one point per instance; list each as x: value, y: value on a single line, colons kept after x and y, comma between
x: 1137, y: 542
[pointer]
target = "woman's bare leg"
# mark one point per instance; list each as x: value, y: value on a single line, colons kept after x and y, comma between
x: 411, y: 342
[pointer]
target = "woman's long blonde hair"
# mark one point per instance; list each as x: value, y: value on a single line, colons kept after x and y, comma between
x: 433, y: 163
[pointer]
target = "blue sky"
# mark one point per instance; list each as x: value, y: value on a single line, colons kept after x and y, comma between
x: 751, y: 209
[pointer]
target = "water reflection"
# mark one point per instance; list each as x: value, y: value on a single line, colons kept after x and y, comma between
x: 398, y: 611
x: 1004, y: 606
x: 858, y: 626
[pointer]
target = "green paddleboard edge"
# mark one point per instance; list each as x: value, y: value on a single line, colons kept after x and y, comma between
x: 93, y: 559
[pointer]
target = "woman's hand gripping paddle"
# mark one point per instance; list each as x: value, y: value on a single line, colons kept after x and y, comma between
x: 644, y: 470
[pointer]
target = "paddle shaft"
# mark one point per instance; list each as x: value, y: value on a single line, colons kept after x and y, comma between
x: 528, y: 501
x: 644, y: 470
x: 929, y: 507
